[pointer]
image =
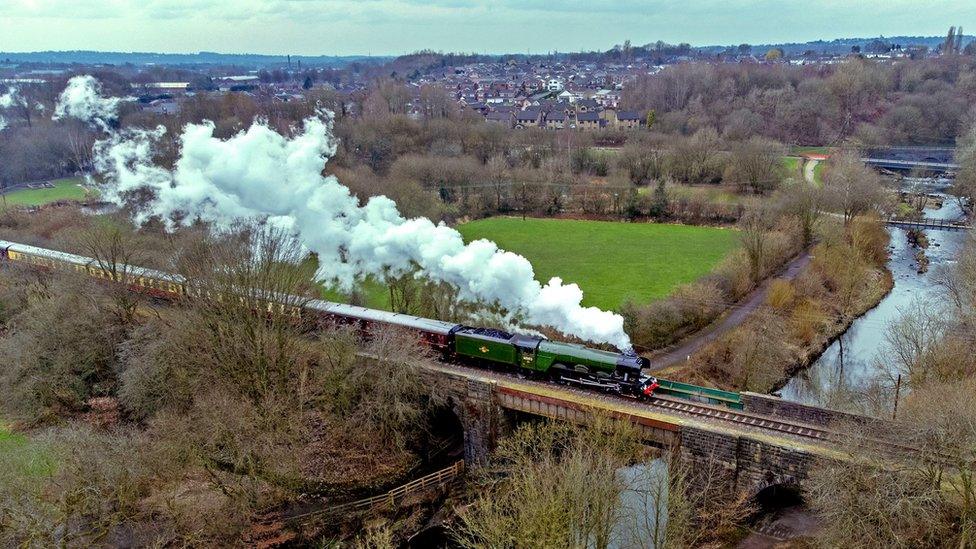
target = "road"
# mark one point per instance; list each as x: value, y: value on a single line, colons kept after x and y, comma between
x: 738, y: 313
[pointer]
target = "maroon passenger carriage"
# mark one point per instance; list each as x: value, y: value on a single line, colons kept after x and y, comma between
x: 435, y: 333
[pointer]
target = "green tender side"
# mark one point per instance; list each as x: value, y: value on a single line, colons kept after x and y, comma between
x: 483, y: 347
x: 699, y: 393
x: 568, y: 354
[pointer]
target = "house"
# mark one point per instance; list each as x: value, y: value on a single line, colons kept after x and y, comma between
x: 163, y: 107
x: 629, y: 120
x: 587, y: 105
x: 529, y: 118
x: 567, y: 96
x: 500, y: 118
x: 607, y: 98
x: 589, y: 121
x: 556, y: 120
x: 555, y: 85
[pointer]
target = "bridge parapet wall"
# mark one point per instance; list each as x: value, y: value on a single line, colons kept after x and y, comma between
x: 750, y: 464
x: 774, y: 406
x: 750, y: 461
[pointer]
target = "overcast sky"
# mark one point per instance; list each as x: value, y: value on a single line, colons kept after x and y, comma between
x: 344, y: 27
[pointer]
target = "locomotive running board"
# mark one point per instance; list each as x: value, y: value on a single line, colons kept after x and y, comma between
x: 589, y: 383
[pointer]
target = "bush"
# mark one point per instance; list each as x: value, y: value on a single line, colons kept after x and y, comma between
x: 781, y: 294
x: 59, y: 352
x: 586, y: 161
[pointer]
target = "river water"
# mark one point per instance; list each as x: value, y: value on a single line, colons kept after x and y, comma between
x: 852, y: 362
x: 643, y: 513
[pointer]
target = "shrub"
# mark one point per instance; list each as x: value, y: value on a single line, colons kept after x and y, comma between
x: 781, y: 294
x: 59, y: 352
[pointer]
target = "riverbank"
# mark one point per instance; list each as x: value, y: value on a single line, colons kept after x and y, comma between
x: 854, y: 360
x: 799, y: 318
x: 835, y: 331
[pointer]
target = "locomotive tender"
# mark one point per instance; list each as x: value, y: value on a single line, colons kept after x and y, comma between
x: 565, y: 362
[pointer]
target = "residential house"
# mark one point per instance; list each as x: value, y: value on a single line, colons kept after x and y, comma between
x: 629, y: 120
x: 555, y: 85
x: 587, y: 105
x: 607, y: 99
x: 164, y: 107
x: 500, y: 118
x: 556, y: 120
x: 529, y: 118
x: 589, y: 121
x: 567, y: 96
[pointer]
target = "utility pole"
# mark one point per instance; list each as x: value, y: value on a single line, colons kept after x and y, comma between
x: 523, y: 200
x: 894, y: 412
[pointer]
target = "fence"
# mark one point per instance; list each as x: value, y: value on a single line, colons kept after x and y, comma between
x: 390, y: 499
x: 926, y: 223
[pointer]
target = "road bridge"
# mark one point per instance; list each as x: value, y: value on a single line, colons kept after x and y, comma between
x: 934, y: 159
x: 769, y: 443
x: 908, y: 165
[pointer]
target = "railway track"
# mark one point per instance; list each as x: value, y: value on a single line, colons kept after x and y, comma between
x: 675, y: 405
x: 741, y: 418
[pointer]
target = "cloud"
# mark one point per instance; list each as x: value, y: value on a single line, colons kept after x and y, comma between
x: 396, y: 26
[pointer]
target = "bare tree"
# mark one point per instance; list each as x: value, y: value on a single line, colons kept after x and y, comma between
x: 964, y: 185
x: 755, y: 227
x: 919, y: 493
x: 117, y: 253
x: 852, y: 188
x: 756, y: 165
x: 551, y: 484
x: 804, y: 202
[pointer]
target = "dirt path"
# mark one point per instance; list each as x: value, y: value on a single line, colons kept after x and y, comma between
x: 738, y: 313
x: 809, y: 170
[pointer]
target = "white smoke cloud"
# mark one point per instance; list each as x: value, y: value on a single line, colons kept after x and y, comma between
x: 260, y: 174
x: 11, y: 98
x: 82, y: 99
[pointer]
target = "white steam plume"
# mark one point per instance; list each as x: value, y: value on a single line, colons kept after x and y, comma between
x: 82, y: 99
x: 11, y: 98
x: 260, y: 174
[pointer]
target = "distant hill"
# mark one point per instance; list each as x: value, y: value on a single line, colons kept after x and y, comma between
x: 843, y: 45
x: 201, y: 58
x: 426, y: 58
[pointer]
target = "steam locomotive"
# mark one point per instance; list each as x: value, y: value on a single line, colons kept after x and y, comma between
x: 565, y: 362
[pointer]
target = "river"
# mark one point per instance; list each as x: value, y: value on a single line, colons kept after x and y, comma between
x: 851, y: 362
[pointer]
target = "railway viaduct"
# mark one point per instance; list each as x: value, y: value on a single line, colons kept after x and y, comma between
x: 769, y: 443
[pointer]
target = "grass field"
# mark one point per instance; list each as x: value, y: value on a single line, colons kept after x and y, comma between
x: 793, y: 165
x: 798, y: 150
x: 21, y: 456
x: 611, y: 261
x: 64, y: 189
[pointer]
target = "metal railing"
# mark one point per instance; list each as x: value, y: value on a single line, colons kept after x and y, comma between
x: 391, y: 499
x: 926, y: 223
